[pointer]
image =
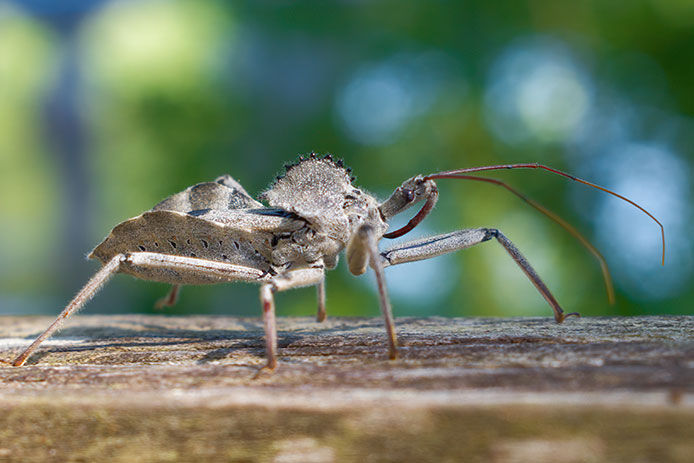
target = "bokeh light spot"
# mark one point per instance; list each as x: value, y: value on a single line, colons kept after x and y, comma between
x: 374, y: 106
x: 29, y: 190
x: 537, y: 93
x: 169, y: 45
x: 379, y: 100
x: 551, y: 102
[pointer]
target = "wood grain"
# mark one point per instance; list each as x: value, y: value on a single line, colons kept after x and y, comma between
x: 155, y: 388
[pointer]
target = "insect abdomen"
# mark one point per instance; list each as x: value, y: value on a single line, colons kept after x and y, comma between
x: 180, y: 234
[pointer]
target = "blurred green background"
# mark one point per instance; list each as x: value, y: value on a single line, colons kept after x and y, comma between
x: 106, y: 107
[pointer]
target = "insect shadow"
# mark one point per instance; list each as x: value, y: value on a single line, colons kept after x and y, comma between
x: 249, y: 338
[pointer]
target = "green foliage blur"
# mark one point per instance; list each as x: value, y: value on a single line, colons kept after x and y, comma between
x: 107, y: 107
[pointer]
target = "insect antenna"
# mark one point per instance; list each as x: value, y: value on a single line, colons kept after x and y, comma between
x: 460, y: 173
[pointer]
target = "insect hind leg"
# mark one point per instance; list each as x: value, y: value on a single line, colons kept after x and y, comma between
x: 170, y: 299
x: 289, y: 280
x: 321, y: 314
x: 211, y: 270
x: 86, y: 293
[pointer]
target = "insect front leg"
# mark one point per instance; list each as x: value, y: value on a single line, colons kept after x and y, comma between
x: 443, y: 244
x: 405, y: 196
x: 362, y: 250
x: 85, y: 294
x: 289, y: 280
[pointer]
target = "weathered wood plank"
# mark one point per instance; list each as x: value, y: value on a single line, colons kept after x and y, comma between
x: 181, y: 388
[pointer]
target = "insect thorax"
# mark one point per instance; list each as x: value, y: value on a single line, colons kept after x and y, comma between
x: 320, y: 191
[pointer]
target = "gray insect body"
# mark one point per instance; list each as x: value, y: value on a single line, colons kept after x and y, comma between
x: 216, y: 232
x: 219, y: 221
x: 222, y: 237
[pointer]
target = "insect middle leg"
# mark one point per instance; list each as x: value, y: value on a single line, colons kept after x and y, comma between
x: 292, y: 279
x: 433, y: 246
x: 86, y: 293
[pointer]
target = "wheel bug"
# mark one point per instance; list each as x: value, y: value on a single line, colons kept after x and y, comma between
x: 216, y: 232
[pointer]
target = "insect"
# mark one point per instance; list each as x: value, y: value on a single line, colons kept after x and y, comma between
x: 215, y: 232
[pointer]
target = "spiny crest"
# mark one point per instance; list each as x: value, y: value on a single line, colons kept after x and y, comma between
x: 314, y: 187
x: 328, y: 159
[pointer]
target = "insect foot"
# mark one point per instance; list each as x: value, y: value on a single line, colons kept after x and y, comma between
x: 564, y: 316
x: 215, y: 232
x: 265, y: 371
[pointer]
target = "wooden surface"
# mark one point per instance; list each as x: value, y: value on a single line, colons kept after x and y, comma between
x: 136, y: 388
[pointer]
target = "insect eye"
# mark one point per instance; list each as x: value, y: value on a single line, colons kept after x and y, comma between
x: 409, y: 195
